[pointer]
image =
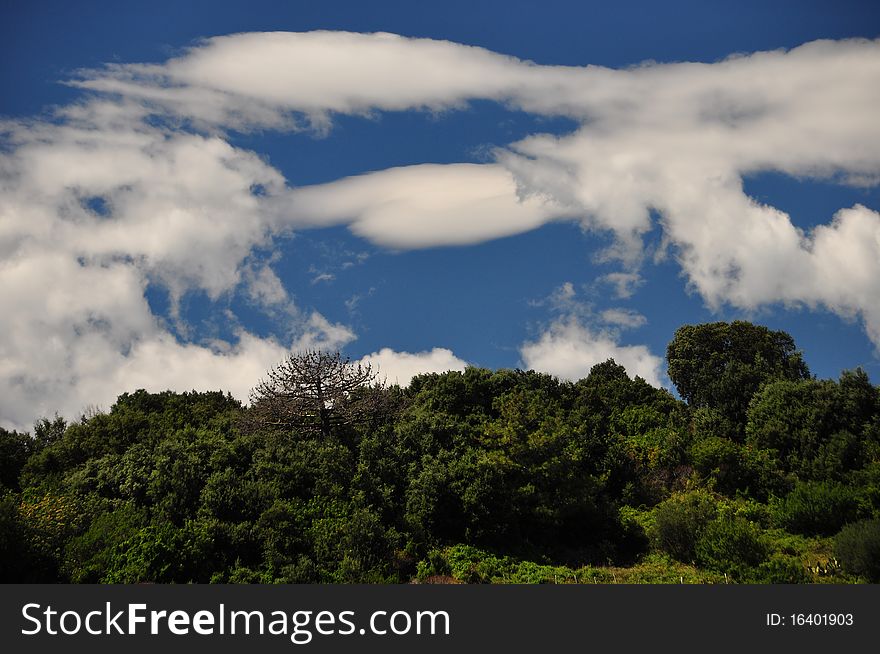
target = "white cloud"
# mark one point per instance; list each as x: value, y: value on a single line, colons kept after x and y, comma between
x: 844, y: 264
x: 674, y: 138
x: 137, y: 186
x: 622, y: 317
x: 258, y: 79
x: 318, y: 333
x: 161, y: 363
x: 76, y: 335
x: 265, y: 288
x: 568, y: 349
x: 565, y: 301
x: 97, y: 205
x: 179, y: 206
x: 678, y: 138
x: 563, y: 295
x: 323, y: 277
x: 400, y: 367
x: 422, y: 206
x: 624, y: 284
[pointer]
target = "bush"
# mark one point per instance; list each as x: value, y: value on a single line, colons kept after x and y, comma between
x: 150, y: 556
x: 857, y: 547
x: 782, y: 569
x: 240, y: 575
x: 434, y: 565
x: 732, y: 545
x: 679, y: 523
x: 818, y: 508
x: 468, y: 564
x: 475, y: 566
x: 735, y: 469
x: 89, y: 555
x: 719, y: 459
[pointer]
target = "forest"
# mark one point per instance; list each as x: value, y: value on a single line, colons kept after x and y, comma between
x: 754, y: 471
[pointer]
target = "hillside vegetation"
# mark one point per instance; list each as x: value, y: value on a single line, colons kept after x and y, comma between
x: 760, y: 474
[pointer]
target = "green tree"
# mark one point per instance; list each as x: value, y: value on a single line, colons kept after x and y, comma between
x: 89, y: 555
x: 721, y: 365
x: 14, y: 548
x: 15, y: 450
x: 817, y: 429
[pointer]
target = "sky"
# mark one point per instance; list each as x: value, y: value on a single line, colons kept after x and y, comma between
x: 190, y: 191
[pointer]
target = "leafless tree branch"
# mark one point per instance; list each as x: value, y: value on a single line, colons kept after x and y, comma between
x: 315, y: 392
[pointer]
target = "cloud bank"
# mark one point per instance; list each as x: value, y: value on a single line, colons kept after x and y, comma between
x: 400, y: 367
x: 579, y: 337
x: 139, y: 185
x: 568, y: 349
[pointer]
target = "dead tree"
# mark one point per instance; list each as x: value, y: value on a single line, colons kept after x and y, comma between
x: 314, y: 392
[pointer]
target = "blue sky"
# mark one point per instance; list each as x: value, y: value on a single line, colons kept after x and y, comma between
x: 135, y: 260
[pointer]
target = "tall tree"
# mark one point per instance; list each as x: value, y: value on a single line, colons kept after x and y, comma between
x: 15, y: 448
x: 314, y: 392
x: 721, y: 365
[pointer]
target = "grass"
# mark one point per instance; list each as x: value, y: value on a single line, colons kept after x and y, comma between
x: 470, y: 565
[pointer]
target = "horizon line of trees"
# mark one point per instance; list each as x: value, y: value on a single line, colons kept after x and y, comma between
x: 760, y: 473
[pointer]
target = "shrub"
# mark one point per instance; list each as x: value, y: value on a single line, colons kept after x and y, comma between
x: 857, y: 547
x: 89, y: 555
x: 735, y: 469
x: 719, y: 459
x: 241, y: 575
x: 150, y: 555
x: 434, y: 565
x: 732, y: 545
x: 818, y: 508
x: 679, y: 523
x: 782, y: 569
x: 475, y: 566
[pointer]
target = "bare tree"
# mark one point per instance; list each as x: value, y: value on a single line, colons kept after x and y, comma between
x: 316, y: 391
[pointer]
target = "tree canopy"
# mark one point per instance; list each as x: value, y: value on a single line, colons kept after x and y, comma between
x: 474, y: 476
x: 721, y: 365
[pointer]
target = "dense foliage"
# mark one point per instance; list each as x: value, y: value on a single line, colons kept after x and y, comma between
x: 763, y: 474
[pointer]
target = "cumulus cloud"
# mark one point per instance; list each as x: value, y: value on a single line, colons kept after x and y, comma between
x: 318, y: 333
x: 400, y: 367
x: 160, y: 363
x: 677, y: 139
x: 264, y: 287
x: 79, y: 334
x: 179, y: 205
x: 843, y: 261
x: 568, y: 349
x: 580, y: 336
x: 97, y: 205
